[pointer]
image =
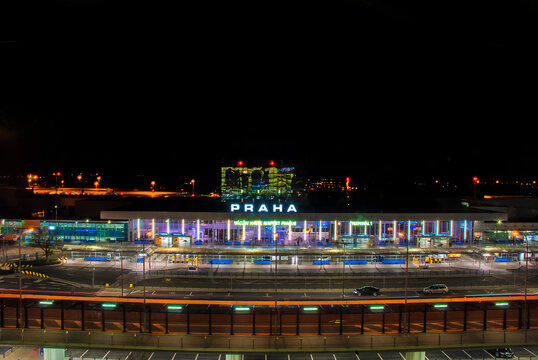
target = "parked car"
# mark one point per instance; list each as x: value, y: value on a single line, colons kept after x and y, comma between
x: 435, y: 289
x: 505, y: 353
x: 367, y: 291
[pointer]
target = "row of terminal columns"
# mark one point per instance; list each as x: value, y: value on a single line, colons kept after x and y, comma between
x: 139, y: 229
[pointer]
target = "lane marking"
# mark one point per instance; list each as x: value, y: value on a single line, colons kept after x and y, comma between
x: 487, y: 352
x: 533, y: 354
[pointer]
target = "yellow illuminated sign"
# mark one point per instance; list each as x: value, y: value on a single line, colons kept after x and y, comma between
x: 265, y: 222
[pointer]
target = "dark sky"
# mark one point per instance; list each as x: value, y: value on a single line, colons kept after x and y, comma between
x: 367, y: 88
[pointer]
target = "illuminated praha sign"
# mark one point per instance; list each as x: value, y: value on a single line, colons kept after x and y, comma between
x: 263, y: 208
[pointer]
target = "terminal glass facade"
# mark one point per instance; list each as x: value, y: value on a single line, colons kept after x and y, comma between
x: 297, y: 233
x: 87, y: 231
x: 11, y: 229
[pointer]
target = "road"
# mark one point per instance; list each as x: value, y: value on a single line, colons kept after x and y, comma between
x: 87, y: 278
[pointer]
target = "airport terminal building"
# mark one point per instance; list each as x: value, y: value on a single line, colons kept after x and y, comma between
x: 212, y: 222
x: 262, y: 207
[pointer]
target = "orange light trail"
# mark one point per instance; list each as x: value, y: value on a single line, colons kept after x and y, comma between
x: 272, y: 302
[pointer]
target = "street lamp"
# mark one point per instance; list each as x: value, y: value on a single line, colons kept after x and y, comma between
x: 475, y: 181
x: 56, y: 174
x: 97, y: 182
x: 275, y: 239
x: 526, y: 268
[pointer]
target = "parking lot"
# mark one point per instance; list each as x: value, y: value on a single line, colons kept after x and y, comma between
x: 523, y: 352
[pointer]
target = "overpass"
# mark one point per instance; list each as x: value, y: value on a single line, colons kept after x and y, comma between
x: 260, y: 326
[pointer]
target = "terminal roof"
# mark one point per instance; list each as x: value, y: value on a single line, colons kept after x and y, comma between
x: 213, y: 208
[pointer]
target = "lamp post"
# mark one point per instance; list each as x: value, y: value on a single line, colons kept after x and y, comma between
x: 406, y: 276
x: 475, y: 181
x: 144, y: 280
x: 275, y: 238
x: 121, y: 267
x: 20, y: 278
x: 343, y: 271
x: 2, y: 225
x: 20, y: 283
x: 526, y: 268
x: 56, y: 174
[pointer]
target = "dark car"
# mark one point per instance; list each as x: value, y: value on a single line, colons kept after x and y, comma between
x: 366, y: 291
x: 505, y: 353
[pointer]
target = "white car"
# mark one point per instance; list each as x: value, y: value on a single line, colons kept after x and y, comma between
x: 435, y: 289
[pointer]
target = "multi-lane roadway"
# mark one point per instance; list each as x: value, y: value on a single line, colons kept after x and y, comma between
x: 106, y: 278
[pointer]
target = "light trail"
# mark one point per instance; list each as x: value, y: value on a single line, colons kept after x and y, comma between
x: 271, y: 303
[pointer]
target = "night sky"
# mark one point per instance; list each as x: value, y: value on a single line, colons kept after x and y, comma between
x: 365, y: 88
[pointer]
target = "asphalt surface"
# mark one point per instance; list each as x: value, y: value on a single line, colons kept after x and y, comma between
x: 217, y: 283
x: 466, y: 353
x: 525, y: 352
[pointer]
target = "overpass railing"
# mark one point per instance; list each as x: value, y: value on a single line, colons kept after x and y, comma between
x: 263, y: 318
